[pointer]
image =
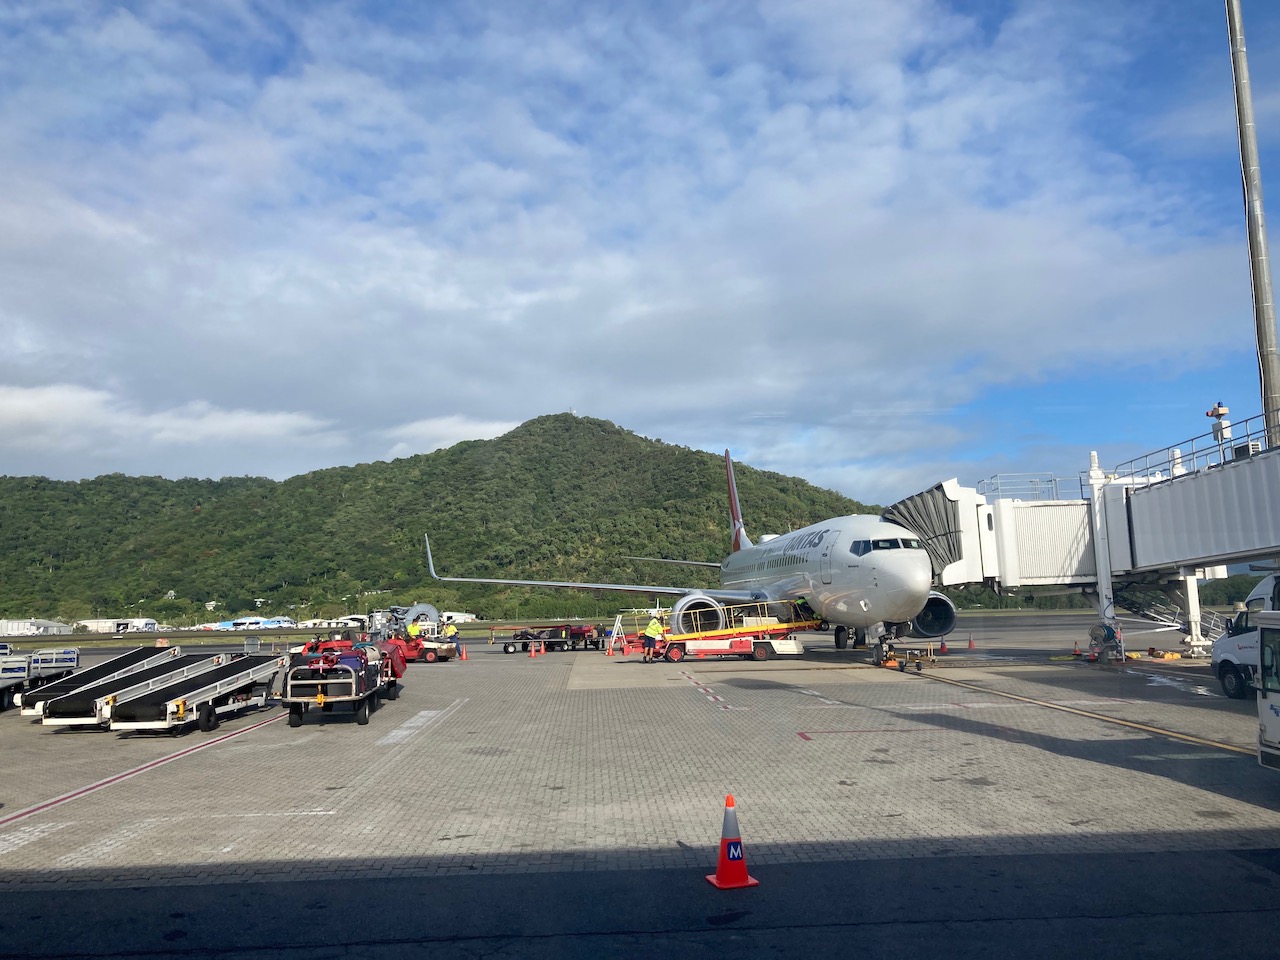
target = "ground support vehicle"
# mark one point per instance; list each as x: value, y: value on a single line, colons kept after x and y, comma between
x: 1269, y: 690
x: 561, y: 636
x: 91, y: 706
x: 131, y: 661
x: 241, y: 681
x: 425, y: 644
x: 359, y: 676
x: 753, y: 638
x: 1234, y: 657
x: 429, y: 650
x: 23, y: 672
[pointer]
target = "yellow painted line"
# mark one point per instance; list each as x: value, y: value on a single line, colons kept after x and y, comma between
x: 1145, y: 728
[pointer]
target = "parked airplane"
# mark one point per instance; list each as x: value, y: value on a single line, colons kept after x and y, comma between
x: 854, y: 572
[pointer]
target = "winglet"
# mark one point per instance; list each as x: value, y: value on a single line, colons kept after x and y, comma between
x: 431, y: 567
x: 739, y: 531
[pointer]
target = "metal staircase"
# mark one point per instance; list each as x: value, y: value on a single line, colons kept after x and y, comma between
x: 1158, y: 607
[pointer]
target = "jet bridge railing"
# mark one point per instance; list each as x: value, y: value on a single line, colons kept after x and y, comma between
x: 1031, y: 486
x: 1225, y: 443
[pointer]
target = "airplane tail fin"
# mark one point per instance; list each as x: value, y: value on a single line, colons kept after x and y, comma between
x: 739, y: 531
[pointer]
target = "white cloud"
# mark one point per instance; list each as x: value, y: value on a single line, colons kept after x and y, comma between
x: 747, y: 224
x: 95, y: 423
x: 435, y: 433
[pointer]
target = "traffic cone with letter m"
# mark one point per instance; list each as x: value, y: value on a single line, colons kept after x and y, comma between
x: 731, y: 869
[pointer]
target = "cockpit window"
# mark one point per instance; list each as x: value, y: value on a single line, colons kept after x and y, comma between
x: 860, y: 548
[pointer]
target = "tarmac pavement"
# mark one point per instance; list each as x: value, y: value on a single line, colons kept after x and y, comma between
x: 998, y: 803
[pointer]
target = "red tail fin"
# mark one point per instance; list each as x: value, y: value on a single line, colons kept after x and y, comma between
x: 739, y: 531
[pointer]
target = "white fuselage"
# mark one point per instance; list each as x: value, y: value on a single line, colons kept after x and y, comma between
x: 854, y: 571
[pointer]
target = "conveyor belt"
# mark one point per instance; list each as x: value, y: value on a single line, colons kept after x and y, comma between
x: 80, y: 703
x: 128, y: 662
x: 151, y: 706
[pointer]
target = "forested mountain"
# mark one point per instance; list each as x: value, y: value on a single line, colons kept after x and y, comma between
x: 560, y: 497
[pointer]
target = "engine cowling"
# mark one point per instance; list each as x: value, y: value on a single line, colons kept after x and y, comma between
x: 937, y: 619
x: 696, y: 612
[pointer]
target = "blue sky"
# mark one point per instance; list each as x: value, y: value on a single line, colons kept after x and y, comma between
x: 872, y: 243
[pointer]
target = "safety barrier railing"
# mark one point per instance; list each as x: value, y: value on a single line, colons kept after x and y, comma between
x: 1233, y: 442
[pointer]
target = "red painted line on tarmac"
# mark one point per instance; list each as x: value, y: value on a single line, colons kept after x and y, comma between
x: 119, y: 777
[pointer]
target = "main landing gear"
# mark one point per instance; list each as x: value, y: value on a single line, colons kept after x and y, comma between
x: 842, y: 637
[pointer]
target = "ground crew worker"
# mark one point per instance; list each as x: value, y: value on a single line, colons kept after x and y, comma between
x: 450, y: 633
x: 414, y: 629
x: 651, y: 634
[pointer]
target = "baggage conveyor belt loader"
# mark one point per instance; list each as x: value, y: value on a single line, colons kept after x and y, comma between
x: 131, y: 661
x: 241, y: 682
x: 749, y: 635
x: 91, y: 706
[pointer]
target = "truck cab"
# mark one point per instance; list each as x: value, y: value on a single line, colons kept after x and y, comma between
x: 1235, y: 654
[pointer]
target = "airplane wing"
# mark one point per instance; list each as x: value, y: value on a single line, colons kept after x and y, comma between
x: 683, y: 563
x: 725, y: 596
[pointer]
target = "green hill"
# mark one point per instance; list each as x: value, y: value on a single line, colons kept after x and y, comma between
x: 560, y: 497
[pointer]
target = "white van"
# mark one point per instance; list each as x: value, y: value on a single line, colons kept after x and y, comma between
x: 1235, y: 653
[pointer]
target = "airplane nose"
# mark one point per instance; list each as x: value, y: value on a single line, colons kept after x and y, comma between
x: 906, y: 578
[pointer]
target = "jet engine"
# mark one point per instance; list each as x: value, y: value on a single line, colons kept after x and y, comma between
x: 937, y: 619
x: 696, y: 612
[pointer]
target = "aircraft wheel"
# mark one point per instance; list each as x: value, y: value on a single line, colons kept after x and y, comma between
x: 295, y: 715
x: 824, y: 626
x: 859, y: 637
x: 674, y: 653
x: 362, y: 712
x: 208, y: 718
x: 842, y: 637
x: 760, y: 651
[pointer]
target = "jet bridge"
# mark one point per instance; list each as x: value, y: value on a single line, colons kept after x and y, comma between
x: 1138, y: 541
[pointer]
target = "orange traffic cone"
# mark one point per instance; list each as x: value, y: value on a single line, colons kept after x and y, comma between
x: 942, y: 647
x: 731, y: 868
x: 1075, y: 649
x: 462, y: 652
x: 533, y: 649
x: 972, y: 645
x: 608, y: 648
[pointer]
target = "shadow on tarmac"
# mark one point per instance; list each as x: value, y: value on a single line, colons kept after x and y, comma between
x: 1115, y: 906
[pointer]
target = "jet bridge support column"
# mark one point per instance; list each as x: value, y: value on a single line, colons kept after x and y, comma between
x: 1191, y: 586
x: 1102, y: 550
